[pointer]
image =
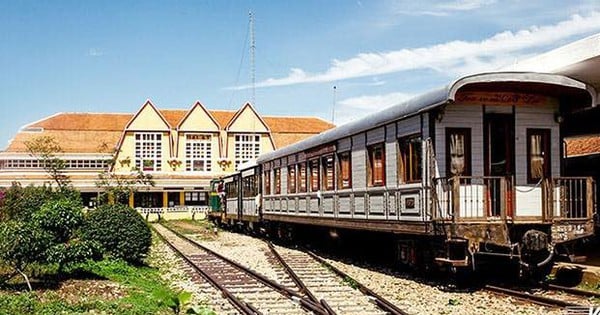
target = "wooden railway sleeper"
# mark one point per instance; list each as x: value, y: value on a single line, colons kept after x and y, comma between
x: 241, y: 306
x: 379, y: 300
x: 305, y: 302
x: 299, y: 283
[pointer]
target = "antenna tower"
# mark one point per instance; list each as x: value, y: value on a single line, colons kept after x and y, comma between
x: 252, y: 60
x: 333, y: 105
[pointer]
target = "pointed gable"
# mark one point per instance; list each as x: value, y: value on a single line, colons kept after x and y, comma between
x: 198, y: 119
x: 247, y: 120
x: 148, y: 118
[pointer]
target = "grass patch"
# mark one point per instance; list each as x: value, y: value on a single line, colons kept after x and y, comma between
x: 202, y: 229
x: 126, y: 290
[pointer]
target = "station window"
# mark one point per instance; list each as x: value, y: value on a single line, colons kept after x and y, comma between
x: 277, y: 179
x: 538, y: 155
x: 328, y: 172
x: 314, y: 175
x: 148, y: 151
x: 198, y: 153
x: 458, y: 152
x: 267, y: 179
x: 409, y: 160
x: 291, y: 180
x: 247, y: 147
x: 302, y: 177
x: 345, y: 168
x: 376, y: 165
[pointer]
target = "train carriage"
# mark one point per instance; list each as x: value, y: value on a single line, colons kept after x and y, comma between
x: 473, y: 170
x: 242, y: 195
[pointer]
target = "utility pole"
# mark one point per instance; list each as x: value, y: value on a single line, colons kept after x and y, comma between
x: 252, y: 60
x: 333, y: 105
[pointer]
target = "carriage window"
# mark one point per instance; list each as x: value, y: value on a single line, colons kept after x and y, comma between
x: 538, y: 155
x: 277, y: 179
x: 458, y: 152
x: 302, y: 177
x: 314, y: 175
x: 345, y: 179
x: 249, y: 184
x: 267, y: 179
x: 231, y: 190
x: 291, y: 179
x: 376, y: 165
x: 409, y: 162
x: 328, y: 173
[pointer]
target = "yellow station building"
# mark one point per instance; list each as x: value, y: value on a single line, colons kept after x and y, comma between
x: 182, y: 149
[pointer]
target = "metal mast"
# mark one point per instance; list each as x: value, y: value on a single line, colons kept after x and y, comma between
x: 333, y: 105
x: 252, y: 56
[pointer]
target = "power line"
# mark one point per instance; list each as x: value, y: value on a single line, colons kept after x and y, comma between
x: 252, y: 58
x: 237, y: 79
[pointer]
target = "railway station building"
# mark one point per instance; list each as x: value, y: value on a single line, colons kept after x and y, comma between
x: 182, y: 149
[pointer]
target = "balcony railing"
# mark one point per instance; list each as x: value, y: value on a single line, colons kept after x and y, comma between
x: 473, y: 197
x: 569, y: 197
x: 464, y: 198
x: 179, y: 209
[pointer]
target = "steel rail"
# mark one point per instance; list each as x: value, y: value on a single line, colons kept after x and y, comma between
x: 380, y: 301
x: 239, y: 304
x: 299, y: 283
x: 541, y: 300
x: 569, y: 290
x: 304, y: 301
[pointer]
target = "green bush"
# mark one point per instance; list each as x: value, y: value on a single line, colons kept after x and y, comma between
x: 120, y: 230
x: 61, y: 217
x: 22, y: 244
x: 21, y: 203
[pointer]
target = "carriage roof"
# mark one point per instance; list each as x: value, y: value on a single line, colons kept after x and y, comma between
x: 424, y: 103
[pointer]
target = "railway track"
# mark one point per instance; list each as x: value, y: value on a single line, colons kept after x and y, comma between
x: 322, y: 282
x: 247, y: 291
x: 548, y: 295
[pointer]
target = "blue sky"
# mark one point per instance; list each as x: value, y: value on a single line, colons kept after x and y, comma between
x: 104, y: 56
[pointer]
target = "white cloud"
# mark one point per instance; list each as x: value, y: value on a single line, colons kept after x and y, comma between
x: 444, y: 57
x: 95, y: 52
x: 464, y: 5
x: 440, y: 9
x: 356, y: 107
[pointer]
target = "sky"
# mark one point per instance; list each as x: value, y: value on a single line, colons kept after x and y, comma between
x: 111, y: 56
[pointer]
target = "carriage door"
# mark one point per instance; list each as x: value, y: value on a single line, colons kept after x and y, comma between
x: 499, y: 154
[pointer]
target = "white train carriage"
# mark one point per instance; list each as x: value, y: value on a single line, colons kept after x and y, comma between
x: 475, y: 165
x: 242, y: 194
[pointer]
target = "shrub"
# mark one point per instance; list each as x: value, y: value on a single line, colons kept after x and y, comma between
x: 21, y: 203
x: 22, y: 244
x: 120, y: 230
x: 61, y: 217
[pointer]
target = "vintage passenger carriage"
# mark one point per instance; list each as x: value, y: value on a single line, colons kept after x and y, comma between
x: 465, y: 173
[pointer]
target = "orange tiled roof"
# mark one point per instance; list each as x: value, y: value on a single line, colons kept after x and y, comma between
x: 84, y: 121
x: 296, y: 124
x: 284, y: 139
x: 173, y: 116
x: 223, y: 117
x: 82, y: 141
x: 584, y: 145
x: 95, y: 129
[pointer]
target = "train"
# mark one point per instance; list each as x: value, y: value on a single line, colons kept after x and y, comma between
x: 459, y: 177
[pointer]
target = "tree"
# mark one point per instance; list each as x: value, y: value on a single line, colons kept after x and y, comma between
x: 20, y: 203
x: 120, y: 230
x: 45, y: 149
x: 47, y: 233
x: 119, y: 186
x: 22, y: 244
